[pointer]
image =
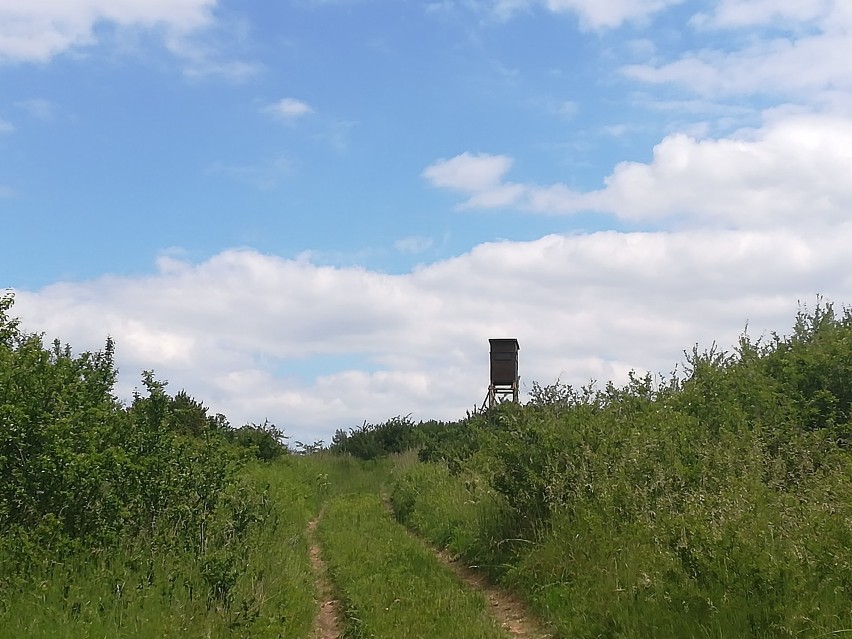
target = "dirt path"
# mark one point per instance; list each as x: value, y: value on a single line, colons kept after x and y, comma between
x: 512, y: 614
x: 327, y: 622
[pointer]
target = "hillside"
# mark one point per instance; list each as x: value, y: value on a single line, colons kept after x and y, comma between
x: 715, y: 502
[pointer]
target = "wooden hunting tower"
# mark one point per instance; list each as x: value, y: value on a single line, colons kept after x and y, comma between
x: 504, y: 370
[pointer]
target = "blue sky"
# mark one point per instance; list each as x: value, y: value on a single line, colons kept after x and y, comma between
x: 127, y: 138
x: 317, y: 212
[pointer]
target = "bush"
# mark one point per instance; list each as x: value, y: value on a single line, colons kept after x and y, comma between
x: 78, y: 469
x: 261, y: 441
x: 714, y: 503
x: 372, y: 441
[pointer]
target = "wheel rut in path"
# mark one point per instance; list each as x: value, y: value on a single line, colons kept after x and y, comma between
x: 512, y: 614
x: 327, y: 622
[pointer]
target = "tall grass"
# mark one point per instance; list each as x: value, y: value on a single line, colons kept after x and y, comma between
x: 257, y: 584
x: 390, y: 585
x: 461, y: 514
x: 139, y: 520
x: 717, y: 505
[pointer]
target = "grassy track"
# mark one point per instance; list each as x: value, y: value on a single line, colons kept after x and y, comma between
x: 390, y: 585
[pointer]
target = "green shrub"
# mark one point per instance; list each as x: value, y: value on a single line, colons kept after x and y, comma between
x: 716, y: 503
x: 81, y: 473
x: 371, y: 441
x: 260, y: 441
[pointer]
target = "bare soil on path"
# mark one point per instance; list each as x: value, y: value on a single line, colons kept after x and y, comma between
x: 512, y: 614
x: 327, y: 622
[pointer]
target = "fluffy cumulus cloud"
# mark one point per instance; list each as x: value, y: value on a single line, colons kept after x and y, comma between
x: 232, y: 329
x: 796, y: 170
x: 795, y: 49
x: 479, y: 175
x: 37, y: 30
x: 469, y: 171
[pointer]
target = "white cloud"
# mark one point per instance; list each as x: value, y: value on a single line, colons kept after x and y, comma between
x: 201, y: 60
x: 567, y: 109
x: 698, y: 107
x: 807, y: 54
x: 505, y: 9
x: 337, y: 134
x: 6, y: 126
x: 288, y: 109
x: 781, y: 66
x: 739, y: 14
x: 439, y: 7
x: 469, y: 172
x: 616, y: 130
x: 609, y: 13
x: 795, y: 171
x: 37, y: 30
x: 594, y: 14
x: 229, y: 329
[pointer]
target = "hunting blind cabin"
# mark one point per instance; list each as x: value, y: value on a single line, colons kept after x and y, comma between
x: 504, y: 371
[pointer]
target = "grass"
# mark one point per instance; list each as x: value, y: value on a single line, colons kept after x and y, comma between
x: 587, y: 577
x: 462, y: 516
x: 259, y: 586
x: 390, y: 585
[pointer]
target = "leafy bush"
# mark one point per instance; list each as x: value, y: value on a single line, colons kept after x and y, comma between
x: 372, y: 441
x: 717, y: 503
x: 261, y: 441
x: 79, y: 470
x: 108, y: 509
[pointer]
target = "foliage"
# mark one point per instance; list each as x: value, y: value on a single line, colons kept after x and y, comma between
x: 262, y: 441
x: 147, y: 500
x: 396, y: 435
x: 460, y: 513
x: 455, y: 442
x: 716, y: 503
x: 254, y: 580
